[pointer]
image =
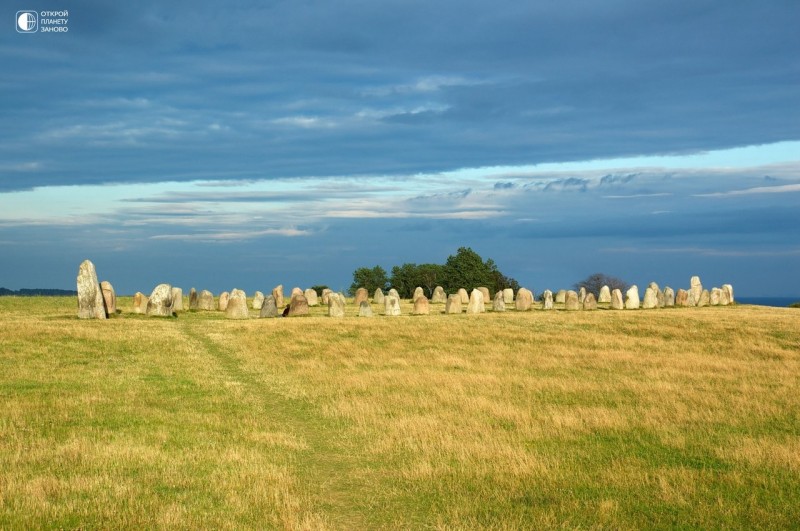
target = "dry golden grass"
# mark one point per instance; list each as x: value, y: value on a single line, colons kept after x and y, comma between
x: 660, y: 418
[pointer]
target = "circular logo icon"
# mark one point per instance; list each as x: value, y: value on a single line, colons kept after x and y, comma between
x: 26, y: 22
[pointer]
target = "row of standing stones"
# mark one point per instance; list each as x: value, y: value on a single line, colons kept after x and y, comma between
x: 98, y: 300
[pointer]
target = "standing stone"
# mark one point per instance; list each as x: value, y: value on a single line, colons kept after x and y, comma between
x: 361, y: 295
x: 326, y: 293
x: 632, y: 301
x: 269, y: 308
x: 364, y: 309
x: 690, y: 300
x: 297, y: 291
x: 682, y: 298
x: 109, y: 297
x: 140, y: 302
x: 393, y: 293
x: 662, y: 300
x: 439, y: 296
x: 616, y: 300
x: 728, y: 289
x: 193, y: 300
x: 571, y: 301
x: 237, y: 305
x: 258, y: 300
x: 589, y: 303
x: 224, y: 299
x: 669, y: 297
x: 391, y: 304
x: 499, y: 302
x: 561, y: 296
x: 547, y: 300
x: 524, y: 300
x: 90, y: 295
x: 299, y: 305
x: 704, y: 298
x: 464, y: 296
x: 695, y: 290
x: 277, y: 294
x: 486, y: 295
x: 723, y: 297
x: 418, y: 292
x: 582, y: 295
x: 311, y: 297
x: 421, y: 305
x: 453, y: 304
x: 715, y: 296
x: 160, y: 302
x: 335, y: 305
x: 650, y: 300
x: 476, y: 302
x: 378, y: 297
x: 508, y: 296
x: 177, y: 299
x: 605, y: 295
x: 205, y: 301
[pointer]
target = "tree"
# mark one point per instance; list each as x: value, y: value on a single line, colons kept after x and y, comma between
x: 407, y: 277
x: 429, y: 276
x: 466, y: 269
x: 594, y: 282
x: 370, y: 278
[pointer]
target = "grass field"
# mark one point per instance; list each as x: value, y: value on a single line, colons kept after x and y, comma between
x: 623, y: 420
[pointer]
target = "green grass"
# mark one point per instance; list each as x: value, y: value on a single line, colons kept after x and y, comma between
x: 626, y: 420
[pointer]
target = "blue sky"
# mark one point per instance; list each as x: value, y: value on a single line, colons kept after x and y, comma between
x: 246, y: 144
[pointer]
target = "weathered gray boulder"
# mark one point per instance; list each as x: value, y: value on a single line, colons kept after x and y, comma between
x: 160, y: 302
x: 486, y: 295
x: 224, y: 299
x: 508, y: 296
x: 439, y: 296
x: 205, y: 301
x: 581, y: 294
x: 421, y: 305
x: 361, y: 295
x: 177, y: 299
x: 499, y: 302
x: 391, y: 304
x: 464, y: 296
x: 650, y: 301
x: 299, y: 305
x: 90, y: 295
x: 695, y: 290
x: 704, y: 298
x: 418, y: 292
x: 277, y: 294
x: 109, y: 297
x: 524, y: 300
x: 269, y: 308
x: 453, y: 304
x: 547, y: 300
x: 140, y: 302
x: 393, y: 293
x: 561, y: 296
x: 728, y: 290
x: 571, y: 301
x: 364, y: 309
x: 258, y: 300
x: 335, y: 305
x: 682, y: 298
x: 714, y: 296
x: 605, y: 295
x: 476, y: 302
x: 193, y: 300
x: 616, y: 300
x: 632, y: 301
x: 311, y: 297
x: 237, y: 305
x: 669, y: 297
x: 589, y: 303
x: 378, y: 297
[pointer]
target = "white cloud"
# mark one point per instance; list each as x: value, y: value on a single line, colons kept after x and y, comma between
x: 757, y: 190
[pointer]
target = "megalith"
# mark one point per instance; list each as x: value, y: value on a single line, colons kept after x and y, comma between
x: 237, y: 305
x: 160, y: 302
x: 90, y: 295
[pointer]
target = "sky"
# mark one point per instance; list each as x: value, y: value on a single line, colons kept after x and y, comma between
x: 248, y: 144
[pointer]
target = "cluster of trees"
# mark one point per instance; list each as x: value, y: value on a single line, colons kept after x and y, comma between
x: 38, y: 292
x: 465, y: 269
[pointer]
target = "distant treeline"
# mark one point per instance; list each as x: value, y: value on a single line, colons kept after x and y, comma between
x: 38, y: 292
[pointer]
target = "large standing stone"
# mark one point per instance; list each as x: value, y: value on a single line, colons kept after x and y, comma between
x: 277, y: 294
x: 524, y: 300
x: 364, y: 309
x: 109, y: 297
x: 547, y: 300
x: 258, y: 300
x: 269, y: 308
x: 335, y: 305
x: 378, y: 297
x: 682, y: 298
x: 224, y: 299
x: 464, y: 296
x: 476, y: 302
x: 237, y: 305
x: 724, y: 299
x: 616, y: 300
x: 391, y: 304
x: 418, y: 292
x: 632, y: 301
x: 589, y: 303
x: 393, y: 293
x: 499, y: 302
x: 714, y: 296
x: 177, y: 299
x: 581, y: 294
x: 361, y: 295
x: 508, y: 296
x: 695, y: 290
x: 669, y: 297
x: 605, y: 295
x: 90, y: 296
x: 140, y: 302
x: 704, y: 298
x: 297, y: 291
x: 728, y: 289
x: 662, y: 300
x: 326, y: 293
x: 299, y: 305
x: 439, y: 296
x: 571, y: 301
x: 654, y: 286
x: 205, y: 301
x: 311, y: 297
x: 421, y: 305
x: 561, y: 296
x: 650, y: 300
x: 160, y: 302
x: 453, y: 304
x: 194, y: 301
x: 486, y: 295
